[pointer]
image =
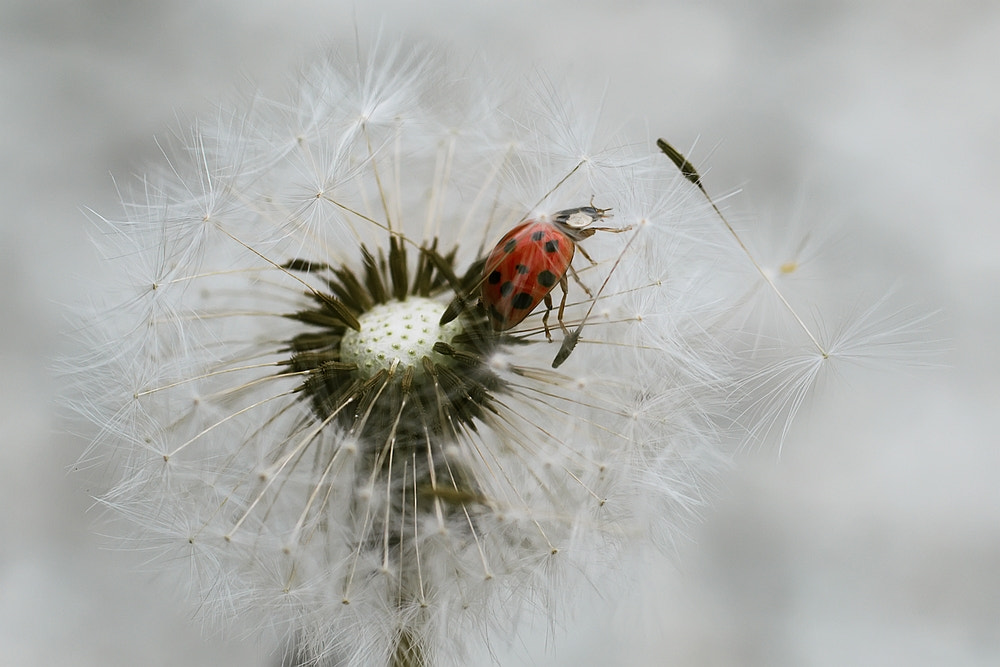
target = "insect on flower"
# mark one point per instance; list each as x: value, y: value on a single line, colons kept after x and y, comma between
x: 309, y: 398
x: 308, y: 404
x: 530, y: 260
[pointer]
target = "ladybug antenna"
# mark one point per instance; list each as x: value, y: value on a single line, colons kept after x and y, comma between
x: 690, y: 173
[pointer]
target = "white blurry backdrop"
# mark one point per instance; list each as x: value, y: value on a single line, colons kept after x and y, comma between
x: 873, y: 540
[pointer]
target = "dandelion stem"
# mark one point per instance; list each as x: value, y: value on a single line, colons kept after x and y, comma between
x: 690, y: 173
x: 557, y: 186
x: 378, y: 182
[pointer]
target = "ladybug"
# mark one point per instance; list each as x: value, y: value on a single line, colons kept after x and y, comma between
x: 530, y: 260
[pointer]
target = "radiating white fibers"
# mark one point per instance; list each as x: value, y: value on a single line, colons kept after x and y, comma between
x: 398, y: 510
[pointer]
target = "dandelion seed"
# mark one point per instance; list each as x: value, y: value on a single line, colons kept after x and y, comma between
x: 308, y: 402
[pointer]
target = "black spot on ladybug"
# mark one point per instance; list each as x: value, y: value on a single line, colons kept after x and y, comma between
x: 547, y: 279
x: 521, y: 268
x: 551, y: 246
x: 522, y: 300
x: 538, y: 236
x: 510, y: 245
x: 496, y: 315
x: 506, y: 288
x: 494, y: 278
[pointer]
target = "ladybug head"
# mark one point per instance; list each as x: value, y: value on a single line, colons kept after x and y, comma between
x: 578, y: 219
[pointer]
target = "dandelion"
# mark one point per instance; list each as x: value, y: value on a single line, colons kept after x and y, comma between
x: 310, y: 415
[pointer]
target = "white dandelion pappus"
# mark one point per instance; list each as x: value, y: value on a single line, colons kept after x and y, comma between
x: 294, y: 429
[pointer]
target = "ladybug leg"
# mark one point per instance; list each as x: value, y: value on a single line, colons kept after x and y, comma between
x: 545, y: 317
x: 584, y: 253
x: 579, y: 282
x: 564, y: 285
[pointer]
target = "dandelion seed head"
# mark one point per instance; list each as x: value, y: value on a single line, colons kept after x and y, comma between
x: 302, y: 404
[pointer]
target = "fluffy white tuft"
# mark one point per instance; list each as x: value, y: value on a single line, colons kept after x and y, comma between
x: 281, y: 514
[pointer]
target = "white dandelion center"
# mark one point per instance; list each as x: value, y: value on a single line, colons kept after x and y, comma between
x: 399, y: 330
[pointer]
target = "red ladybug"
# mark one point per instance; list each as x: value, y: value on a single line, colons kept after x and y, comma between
x: 530, y: 261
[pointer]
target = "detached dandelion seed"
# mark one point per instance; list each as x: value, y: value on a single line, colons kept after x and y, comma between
x: 321, y: 403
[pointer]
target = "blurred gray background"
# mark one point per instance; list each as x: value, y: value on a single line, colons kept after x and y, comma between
x: 873, y: 540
